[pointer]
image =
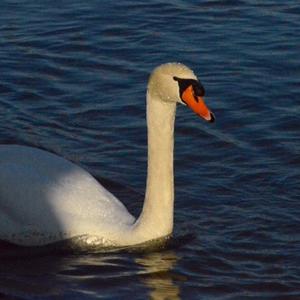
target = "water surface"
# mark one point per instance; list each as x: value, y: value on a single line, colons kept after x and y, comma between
x: 72, y: 80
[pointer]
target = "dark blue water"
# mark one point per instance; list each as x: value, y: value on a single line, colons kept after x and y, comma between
x: 72, y: 80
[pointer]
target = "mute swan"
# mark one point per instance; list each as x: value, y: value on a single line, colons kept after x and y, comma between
x: 45, y: 198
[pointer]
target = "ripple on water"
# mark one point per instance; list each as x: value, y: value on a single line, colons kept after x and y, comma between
x: 72, y: 81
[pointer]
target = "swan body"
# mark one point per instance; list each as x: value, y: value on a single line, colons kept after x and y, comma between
x: 45, y: 198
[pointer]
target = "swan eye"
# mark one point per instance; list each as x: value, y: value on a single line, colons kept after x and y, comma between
x: 183, y: 83
x: 198, y: 88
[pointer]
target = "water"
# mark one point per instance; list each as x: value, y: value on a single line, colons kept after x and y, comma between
x: 72, y: 81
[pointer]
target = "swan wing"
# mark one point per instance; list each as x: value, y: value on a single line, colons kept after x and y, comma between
x: 44, y: 196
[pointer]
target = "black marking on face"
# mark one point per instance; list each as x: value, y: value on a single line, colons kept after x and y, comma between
x: 185, y: 83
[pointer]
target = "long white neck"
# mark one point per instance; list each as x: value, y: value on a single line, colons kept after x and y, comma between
x: 156, y: 219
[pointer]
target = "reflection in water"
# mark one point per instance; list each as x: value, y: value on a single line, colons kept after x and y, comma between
x: 110, y: 275
x: 157, y: 274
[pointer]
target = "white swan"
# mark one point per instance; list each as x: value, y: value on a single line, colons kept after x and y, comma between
x: 45, y: 198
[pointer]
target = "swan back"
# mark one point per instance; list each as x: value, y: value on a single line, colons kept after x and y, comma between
x: 44, y: 197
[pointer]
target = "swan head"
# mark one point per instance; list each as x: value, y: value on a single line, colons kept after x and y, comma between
x: 175, y: 82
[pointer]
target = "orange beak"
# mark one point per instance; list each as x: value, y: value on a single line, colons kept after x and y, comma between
x: 196, y: 104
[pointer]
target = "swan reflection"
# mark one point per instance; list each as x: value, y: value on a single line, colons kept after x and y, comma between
x: 157, y: 274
